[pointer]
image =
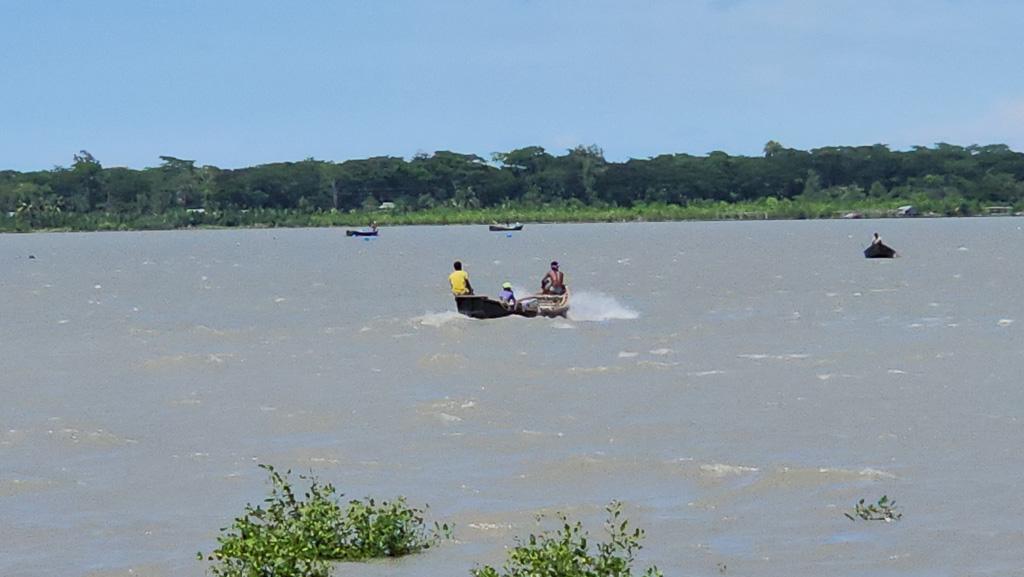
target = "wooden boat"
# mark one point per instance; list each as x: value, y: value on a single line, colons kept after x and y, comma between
x: 360, y: 233
x: 505, y: 227
x: 547, y: 305
x: 879, y: 251
x: 484, y: 307
x: 481, y: 307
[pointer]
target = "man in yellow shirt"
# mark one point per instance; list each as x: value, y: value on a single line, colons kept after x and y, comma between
x: 460, y: 281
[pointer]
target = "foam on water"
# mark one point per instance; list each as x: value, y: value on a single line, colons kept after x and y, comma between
x: 438, y: 319
x: 656, y: 364
x: 766, y: 356
x: 594, y: 307
x: 592, y: 370
x: 723, y: 470
x: 706, y: 373
x: 821, y: 476
x: 443, y: 361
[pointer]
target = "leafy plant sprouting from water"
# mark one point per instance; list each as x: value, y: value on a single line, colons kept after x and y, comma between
x: 289, y: 536
x: 566, y: 551
x: 883, y: 510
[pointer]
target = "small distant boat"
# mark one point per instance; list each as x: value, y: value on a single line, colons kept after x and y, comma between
x: 360, y: 233
x: 879, y: 251
x: 483, y: 307
x: 505, y: 227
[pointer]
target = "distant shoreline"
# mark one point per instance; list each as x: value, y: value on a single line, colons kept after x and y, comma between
x: 763, y: 209
x: 526, y: 185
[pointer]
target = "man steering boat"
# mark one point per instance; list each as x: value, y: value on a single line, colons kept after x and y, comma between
x: 553, y: 282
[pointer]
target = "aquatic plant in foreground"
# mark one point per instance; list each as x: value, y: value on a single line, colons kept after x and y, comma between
x: 290, y: 536
x: 883, y: 510
x: 566, y: 551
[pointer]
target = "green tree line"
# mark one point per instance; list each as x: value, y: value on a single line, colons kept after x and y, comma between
x: 959, y: 179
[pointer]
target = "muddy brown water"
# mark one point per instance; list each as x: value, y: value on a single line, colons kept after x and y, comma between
x: 737, y: 385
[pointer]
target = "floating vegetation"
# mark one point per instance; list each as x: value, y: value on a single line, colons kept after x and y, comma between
x: 883, y: 510
x: 289, y: 536
x: 567, y: 551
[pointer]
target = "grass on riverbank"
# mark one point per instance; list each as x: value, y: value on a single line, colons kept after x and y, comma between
x: 768, y: 208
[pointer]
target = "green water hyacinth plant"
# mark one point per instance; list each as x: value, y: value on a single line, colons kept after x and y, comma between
x: 289, y: 536
x: 568, y: 552
x: 883, y: 510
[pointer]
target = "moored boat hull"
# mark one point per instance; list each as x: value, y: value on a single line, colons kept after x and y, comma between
x: 879, y: 251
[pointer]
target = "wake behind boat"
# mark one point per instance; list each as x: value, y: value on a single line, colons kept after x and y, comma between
x: 484, y: 307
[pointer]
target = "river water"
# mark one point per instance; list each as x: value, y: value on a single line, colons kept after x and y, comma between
x: 737, y: 385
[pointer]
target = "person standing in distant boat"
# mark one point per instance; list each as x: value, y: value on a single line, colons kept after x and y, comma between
x: 373, y: 226
x: 459, y: 280
x: 553, y: 282
x: 876, y: 240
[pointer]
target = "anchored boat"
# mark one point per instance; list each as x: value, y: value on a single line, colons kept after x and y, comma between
x: 360, y: 233
x: 879, y: 250
x: 505, y: 227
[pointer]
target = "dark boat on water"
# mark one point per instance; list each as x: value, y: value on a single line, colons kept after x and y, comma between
x: 505, y: 227
x: 879, y: 250
x: 360, y: 233
x: 483, y: 307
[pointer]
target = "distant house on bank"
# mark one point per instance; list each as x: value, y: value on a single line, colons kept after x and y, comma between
x: 906, y: 210
x: 386, y: 206
x: 998, y: 210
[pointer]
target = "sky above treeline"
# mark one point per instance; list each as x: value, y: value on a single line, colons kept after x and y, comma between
x: 237, y: 83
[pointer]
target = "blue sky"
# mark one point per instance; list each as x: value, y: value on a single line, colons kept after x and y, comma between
x: 235, y: 83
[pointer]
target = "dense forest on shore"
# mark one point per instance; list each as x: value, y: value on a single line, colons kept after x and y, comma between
x: 528, y: 184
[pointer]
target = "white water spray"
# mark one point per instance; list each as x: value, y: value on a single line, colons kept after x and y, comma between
x: 438, y: 319
x: 593, y: 306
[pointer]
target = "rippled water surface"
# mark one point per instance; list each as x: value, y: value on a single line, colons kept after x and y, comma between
x: 737, y: 385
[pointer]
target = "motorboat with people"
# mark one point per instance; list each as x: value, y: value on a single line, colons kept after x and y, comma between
x: 553, y: 300
x: 508, y: 227
x: 484, y: 307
